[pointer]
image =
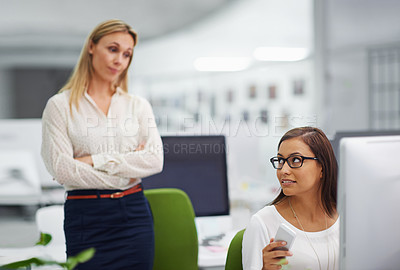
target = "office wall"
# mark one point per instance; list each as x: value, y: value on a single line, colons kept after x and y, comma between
x: 352, y: 29
x: 33, y: 87
x: 253, y: 108
x: 30, y: 75
x: 6, y: 109
x: 25, y: 91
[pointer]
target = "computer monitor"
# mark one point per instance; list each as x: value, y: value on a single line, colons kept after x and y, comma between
x: 197, y: 165
x: 368, y: 202
x: 358, y: 133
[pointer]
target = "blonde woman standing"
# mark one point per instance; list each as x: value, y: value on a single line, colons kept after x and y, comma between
x: 98, y: 142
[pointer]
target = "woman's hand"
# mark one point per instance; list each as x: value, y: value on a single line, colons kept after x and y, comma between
x: 86, y: 159
x: 140, y: 146
x: 274, y: 259
x: 132, y: 180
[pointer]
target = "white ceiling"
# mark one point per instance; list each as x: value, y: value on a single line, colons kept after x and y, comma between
x: 53, y: 31
x: 234, y: 32
x: 172, y: 34
x: 30, y: 23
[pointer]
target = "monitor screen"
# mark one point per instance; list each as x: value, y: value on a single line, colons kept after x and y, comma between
x: 197, y: 165
x: 368, y: 202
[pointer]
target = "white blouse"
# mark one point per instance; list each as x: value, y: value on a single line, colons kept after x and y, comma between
x: 110, y: 139
x: 307, y: 249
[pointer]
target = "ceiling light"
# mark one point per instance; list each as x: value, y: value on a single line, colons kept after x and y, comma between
x: 280, y: 54
x: 222, y: 63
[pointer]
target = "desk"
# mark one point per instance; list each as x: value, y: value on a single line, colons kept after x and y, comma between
x: 211, y: 260
x: 212, y: 268
x: 215, y: 235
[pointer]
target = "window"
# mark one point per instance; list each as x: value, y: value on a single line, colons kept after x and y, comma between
x: 384, y: 88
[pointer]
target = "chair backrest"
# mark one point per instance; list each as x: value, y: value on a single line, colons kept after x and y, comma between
x: 176, y: 242
x: 234, y: 256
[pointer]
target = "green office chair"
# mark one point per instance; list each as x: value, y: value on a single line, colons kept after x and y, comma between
x: 234, y: 257
x: 176, y: 242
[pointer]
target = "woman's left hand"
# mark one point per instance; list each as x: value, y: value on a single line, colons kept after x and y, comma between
x: 86, y: 159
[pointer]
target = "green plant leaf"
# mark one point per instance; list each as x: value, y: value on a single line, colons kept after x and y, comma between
x: 16, y: 265
x: 82, y: 257
x: 28, y: 262
x: 45, y: 238
x: 85, y: 255
x: 71, y: 263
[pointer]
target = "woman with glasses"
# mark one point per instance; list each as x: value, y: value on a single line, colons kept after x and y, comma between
x: 307, y: 172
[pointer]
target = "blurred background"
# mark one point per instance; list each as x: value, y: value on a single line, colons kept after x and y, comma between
x: 247, y: 69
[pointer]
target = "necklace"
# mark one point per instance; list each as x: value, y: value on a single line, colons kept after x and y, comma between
x: 316, y: 254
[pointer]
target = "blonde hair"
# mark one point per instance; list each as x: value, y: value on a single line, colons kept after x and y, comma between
x: 83, y: 71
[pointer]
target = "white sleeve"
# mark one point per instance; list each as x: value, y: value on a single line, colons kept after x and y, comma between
x: 136, y: 164
x: 57, y: 154
x: 255, y: 238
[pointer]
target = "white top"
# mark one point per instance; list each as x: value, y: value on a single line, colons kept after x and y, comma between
x: 264, y: 225
x: 110, y: 139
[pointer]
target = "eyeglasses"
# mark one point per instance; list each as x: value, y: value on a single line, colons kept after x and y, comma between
x: 293, y: 161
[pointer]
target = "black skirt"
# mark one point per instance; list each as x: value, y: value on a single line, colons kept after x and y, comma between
x: 120, y: 230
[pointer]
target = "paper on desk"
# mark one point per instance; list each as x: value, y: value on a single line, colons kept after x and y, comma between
x: 210, y: 258
x: 217, y: 248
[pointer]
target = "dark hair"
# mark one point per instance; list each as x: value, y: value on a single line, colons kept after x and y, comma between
x: 322, y: 149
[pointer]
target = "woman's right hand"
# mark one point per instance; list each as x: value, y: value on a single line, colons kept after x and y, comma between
x: 140, y: 147
x: 274, y: 259
x: 132, y: 180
